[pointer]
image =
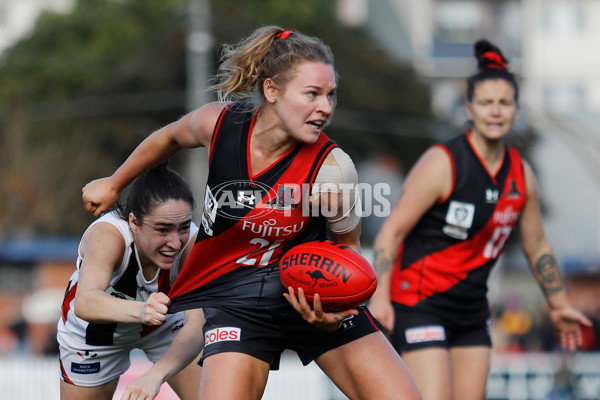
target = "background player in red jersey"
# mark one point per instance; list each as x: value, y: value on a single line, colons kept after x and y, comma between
x: 266, y: 146
x: 434, y: 253
x: 116, y: 299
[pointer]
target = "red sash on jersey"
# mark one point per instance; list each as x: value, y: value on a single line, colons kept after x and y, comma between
x: 439, y: 271
x: 256, y: 240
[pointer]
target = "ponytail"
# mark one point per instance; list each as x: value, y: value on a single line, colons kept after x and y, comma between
x: 269, y: 52
x: 154, y: 187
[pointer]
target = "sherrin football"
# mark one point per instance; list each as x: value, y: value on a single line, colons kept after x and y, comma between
x: 341, y: 276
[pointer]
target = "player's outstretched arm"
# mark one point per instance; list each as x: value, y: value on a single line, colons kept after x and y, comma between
x: 102, y: 249
x: 186, y: 346
x: 192, y: 130
x: 566, y: 319
x: 427, y: 182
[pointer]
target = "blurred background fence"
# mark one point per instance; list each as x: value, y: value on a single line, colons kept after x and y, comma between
x: 540, y: 376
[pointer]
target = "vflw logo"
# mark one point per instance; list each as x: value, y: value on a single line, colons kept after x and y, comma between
x: 460, y: 214
x: 459, y: 219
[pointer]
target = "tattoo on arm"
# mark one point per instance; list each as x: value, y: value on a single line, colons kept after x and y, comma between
x: 382, y: 263
x: 548, y: 274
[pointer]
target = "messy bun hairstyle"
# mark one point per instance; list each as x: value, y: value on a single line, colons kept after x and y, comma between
x: 492, y: 65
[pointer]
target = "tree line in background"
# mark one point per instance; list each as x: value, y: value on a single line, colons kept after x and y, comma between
x: 83, y: 89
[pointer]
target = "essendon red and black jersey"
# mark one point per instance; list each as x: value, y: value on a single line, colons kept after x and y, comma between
x: 249, y: 221
x: 444, y: 263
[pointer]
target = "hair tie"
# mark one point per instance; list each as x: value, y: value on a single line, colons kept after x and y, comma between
x: 495, y: 59
x: 283, y: 34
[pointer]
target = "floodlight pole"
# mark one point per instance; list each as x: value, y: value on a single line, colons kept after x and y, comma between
x: 199, y: 50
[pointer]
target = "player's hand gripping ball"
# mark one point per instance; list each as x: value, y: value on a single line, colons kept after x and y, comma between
x: 341, y: 276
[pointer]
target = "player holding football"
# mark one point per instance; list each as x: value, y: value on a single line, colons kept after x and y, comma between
x: 265, y: 145
x: 435, y: 251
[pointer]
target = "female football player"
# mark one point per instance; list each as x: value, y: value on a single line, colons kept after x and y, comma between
x: 435, y: 251
x: 269, y: 160
x: 116, y: 299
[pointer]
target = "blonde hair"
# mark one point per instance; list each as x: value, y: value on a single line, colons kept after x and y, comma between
x: 269, y: 52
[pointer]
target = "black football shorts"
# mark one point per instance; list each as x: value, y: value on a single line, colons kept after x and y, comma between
x: 415, y: 330
x: 265, y: 332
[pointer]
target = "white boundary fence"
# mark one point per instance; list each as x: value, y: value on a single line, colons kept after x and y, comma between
x: 513, y: 377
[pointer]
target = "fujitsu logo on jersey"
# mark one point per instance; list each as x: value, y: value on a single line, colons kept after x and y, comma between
x: 222, y: 335
x: 507, y: 216
x: 268, y: 228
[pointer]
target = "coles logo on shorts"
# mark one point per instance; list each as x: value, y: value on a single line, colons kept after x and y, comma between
x: 222, y: 335
x: 425, y: 334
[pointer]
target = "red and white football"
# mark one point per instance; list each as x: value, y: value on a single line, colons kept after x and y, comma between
x: 341, y: 276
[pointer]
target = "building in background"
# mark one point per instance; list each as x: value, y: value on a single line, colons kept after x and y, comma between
x: 553, y: 45
x: 17, y: 17
x: 33, y: 273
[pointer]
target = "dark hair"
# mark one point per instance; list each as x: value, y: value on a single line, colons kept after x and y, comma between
x: 492, y: 65
x: 154, y: 187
